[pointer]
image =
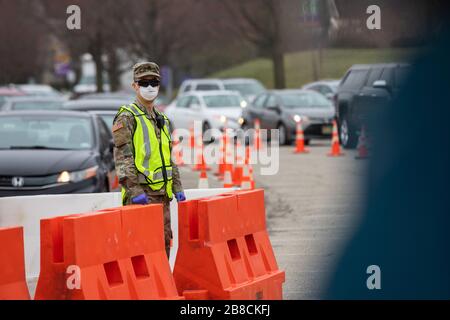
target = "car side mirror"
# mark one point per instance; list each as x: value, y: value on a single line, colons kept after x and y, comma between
x: 381, y: 84
x: 111, y: 145
x: 329, y: 96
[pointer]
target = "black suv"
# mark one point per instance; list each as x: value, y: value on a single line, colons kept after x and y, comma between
x: 363, y: 90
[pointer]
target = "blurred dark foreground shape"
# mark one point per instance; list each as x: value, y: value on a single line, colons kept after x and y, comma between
x: 405, y: 229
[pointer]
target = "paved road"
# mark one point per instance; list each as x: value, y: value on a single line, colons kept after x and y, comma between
x: 311, y: 207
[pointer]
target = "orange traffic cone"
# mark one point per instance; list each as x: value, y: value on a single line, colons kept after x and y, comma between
x: 246, y: 183
x: 252, y: 180
x: 203, y: 181
x: 257, y: 135
x: 335, y: 146
x: 191, y: 137
x: 228, y: 180
x: 363, y: 151
x: 300, y: 140
x: 238, y: 168
x: 201, y: 164
x: 178, y: 152
x: 223, y: 149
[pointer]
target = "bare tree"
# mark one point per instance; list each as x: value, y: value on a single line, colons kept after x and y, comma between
x: 258, y: 22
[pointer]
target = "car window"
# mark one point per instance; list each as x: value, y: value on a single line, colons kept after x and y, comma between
x: 222, y: 101
x: 194, y: 100
x: 325, y: 90
x: 355, y: 79
x: 245, y: 88
x: 207, y: 87
x: 62, y: 132
x: 304, y: 100
x: 187, y: 88
x: 387, y: 75
x: 259, y: 101
x: 374, y: 75
x: 105, y: 134
x: 401, y: 74
x: 271, y: 101
x: 37, y: 105
x: 108, y: 119
x: 183, y: 102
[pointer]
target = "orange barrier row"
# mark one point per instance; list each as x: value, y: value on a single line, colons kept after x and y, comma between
x: 13, y: 285
x: 224, y: 249
x: 110, y: 254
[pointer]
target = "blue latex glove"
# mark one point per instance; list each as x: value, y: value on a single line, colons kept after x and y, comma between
x: 140, y: 199
x: 180, y: 196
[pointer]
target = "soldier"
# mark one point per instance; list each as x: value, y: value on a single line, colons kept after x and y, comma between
x: 143, y: 147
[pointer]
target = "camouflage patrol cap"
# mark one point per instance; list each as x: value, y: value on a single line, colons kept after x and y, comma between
x: 143, y: 69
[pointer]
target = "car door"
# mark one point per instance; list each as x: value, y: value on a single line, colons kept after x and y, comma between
x: 179, y: 113
x: 106, y: 154
x: 271, y: 113
x: 193, y: 111
x: 255, y: 109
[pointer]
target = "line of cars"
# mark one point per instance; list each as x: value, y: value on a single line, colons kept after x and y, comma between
x: 238, y: 103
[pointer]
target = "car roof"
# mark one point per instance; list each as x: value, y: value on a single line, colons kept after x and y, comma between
x: 212, y: 93
x: 201, y: 80
x: 281, y: 91
x: 67, y: 113
x: 103, y: 112
x: 380, y: 65
x: 34, y: 98
x: 239, y: 80
x: 325, y: 81
x: 91, y: 104
x: 11, y: 91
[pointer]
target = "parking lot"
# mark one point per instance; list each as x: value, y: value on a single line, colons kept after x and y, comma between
x: 311, y: 207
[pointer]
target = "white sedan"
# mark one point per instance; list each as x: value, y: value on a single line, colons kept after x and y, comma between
x: 213, y: 109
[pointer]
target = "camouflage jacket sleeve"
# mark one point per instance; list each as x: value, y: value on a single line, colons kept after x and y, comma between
x: 123, y: 129
x: 176, y: 179
x: 176, y: 186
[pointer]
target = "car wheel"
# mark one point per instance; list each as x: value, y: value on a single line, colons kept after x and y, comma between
x: 283, y: 135
x: 347, y: 134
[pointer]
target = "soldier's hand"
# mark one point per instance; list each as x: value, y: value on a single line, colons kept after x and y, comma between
x: 140, y: 199
x: 180, y: 196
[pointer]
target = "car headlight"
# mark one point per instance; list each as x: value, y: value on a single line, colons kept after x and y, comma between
x: 222, y: 119
x: 241, y: 121
x: 77, y: 176
x: 297, y: 118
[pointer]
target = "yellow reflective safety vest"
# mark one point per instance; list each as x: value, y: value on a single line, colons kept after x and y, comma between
x: 151, y: 157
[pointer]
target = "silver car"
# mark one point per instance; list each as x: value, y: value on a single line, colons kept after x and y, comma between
x: 283, y: 109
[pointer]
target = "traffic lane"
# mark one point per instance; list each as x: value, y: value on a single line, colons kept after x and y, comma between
x: 312, y: 207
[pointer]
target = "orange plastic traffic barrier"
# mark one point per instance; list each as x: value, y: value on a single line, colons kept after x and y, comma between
x: 363, y: 151
x: 335, y: 146
x: 13, y: 285
x: 300, y: 140
x: 115, y: 254
x: 224, y: 248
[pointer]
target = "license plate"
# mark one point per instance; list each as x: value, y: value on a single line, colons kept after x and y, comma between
x: 327, y: 129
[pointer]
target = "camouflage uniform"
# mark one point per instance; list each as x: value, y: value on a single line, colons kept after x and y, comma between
x: 134, y: 182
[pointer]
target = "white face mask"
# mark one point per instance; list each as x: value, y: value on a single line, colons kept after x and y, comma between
x: 150, y: 93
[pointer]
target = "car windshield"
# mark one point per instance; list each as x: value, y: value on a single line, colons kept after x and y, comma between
x: 45, y: 132
x: 37, y: 105
x: 108, y: 119
x: 304, y: 100
x: 246, y: 89
x: 222, y: 101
